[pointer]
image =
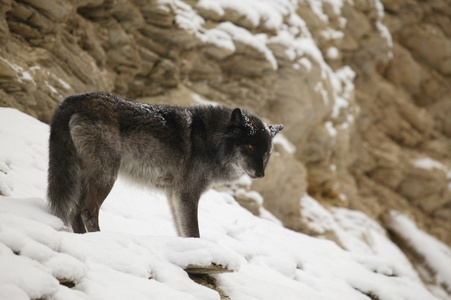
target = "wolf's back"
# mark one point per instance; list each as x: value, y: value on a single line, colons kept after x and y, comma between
x: 64, y: 186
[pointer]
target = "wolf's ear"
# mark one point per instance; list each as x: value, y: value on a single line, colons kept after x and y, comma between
x: 237, y: 117
x: 275, y: 129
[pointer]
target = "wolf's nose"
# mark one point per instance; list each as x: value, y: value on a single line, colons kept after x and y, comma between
x: 259, y: 174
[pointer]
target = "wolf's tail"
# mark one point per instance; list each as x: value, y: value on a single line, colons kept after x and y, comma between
x: 64, y: 186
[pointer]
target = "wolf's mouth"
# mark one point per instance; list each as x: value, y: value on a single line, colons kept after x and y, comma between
x: 255, y: 174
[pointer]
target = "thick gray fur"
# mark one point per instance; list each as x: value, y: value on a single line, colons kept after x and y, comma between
x: 181, y: 151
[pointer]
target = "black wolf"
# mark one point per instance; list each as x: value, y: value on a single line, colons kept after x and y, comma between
x: 179, y: 150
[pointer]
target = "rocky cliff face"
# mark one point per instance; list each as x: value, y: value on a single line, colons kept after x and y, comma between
x: 362, y: 86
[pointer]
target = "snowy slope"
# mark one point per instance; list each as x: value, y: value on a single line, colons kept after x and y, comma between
x: 138, y: 256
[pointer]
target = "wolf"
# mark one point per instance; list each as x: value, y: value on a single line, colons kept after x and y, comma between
x: 181, y: 151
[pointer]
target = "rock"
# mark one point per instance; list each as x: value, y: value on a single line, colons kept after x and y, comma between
x: 441, y: 111
x: 400, y: 120
x: 248, y: 202
x: 56, y: 10
x: 404, y: 71
x: 283, y: 170
x: 358, y: 24
x: 207, y: 270
x: 429, y: 43
x: 419, y: 183
x: 67, y: 282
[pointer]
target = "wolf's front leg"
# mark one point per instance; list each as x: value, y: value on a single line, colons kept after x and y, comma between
x: 186, y: 214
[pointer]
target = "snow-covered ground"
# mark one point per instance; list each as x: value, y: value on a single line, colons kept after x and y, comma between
x: 138, y: 256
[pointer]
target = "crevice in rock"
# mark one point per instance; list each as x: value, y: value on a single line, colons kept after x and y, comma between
x: 370, y: 294
x: 66, y: 282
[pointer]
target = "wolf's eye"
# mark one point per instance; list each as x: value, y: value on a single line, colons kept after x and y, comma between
x: 250, y: 147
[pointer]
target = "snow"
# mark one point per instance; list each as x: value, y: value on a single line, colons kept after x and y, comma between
x: 331, y: 34
x: 436, y: 254
x: 304, y: 48
x: 64, y: 84
x: 345, y: 87
x: 428, y: 163
x: 287, y: 29
x: 185, y: 17
x: 336, y: 5
x: 385, y: 33
x: 51, y: 88
x: 330, y: 129
x: 361, y: 236
x: 305, y: 62
x: 333, y: 167
x: 317, y: 8
x: 292, y: 33
x: 240, y: 34
x: 319, y: 87
x: 21, y: 73
x: 332, y: 53
x: 219, y: 38
x: 255, y: 11
x: 138, y: 256
x: 15, y: 166
x: 281, y: 140
x: 269, y: 14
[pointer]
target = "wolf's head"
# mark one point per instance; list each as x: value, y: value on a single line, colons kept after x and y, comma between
x: 253, y: 141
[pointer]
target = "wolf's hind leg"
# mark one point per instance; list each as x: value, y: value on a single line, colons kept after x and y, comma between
x: 77, y: 223
x: 97, y: 191
x: 99, y: 147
